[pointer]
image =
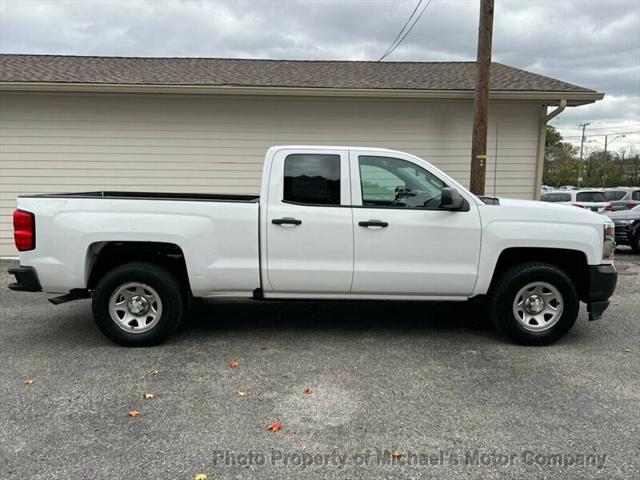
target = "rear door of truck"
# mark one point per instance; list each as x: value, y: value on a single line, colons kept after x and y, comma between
x: 308, y: 229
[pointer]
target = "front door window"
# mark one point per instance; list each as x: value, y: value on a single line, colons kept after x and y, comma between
x: 392, y: 182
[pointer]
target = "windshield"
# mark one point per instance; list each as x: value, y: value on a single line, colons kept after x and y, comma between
x: 590, y: 197
x: 614, y: 195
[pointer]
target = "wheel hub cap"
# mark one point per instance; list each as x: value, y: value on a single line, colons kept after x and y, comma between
x: 138, y: 305
x: 135, y: 307
x: 534, y: 304
x: 538, y: 306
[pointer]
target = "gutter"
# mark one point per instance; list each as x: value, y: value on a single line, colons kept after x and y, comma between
x: 549, y: 97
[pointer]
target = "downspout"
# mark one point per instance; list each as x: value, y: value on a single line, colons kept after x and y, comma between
x: 556, y: 112
x: 541, y: 141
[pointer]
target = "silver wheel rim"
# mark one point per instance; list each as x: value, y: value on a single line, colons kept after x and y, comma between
x: 538, y: 306
x: 135, y: 307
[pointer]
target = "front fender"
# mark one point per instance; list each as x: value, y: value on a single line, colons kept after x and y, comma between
x: 499, y: 236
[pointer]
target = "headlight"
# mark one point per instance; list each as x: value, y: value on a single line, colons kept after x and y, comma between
x: 609, y: 244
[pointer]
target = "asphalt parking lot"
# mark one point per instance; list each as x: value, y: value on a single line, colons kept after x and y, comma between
x: 431, y: 381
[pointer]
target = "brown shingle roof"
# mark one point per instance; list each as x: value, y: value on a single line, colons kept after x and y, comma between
x: 270, y: 73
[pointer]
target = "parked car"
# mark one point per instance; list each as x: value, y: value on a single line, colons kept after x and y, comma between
x: 623, y: 198
x: 330, y: 223
x: 593, y: 200
x: 546, y: 188
x: 627, y: 227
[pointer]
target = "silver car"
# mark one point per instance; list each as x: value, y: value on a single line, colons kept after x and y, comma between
x: 591, y: 199
x: 623, y: 198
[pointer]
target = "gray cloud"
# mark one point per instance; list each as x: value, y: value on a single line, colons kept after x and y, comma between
x: 595, y: 44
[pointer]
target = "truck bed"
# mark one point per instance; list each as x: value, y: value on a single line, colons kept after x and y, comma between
x: 214, y: 197
x: 217, y: 234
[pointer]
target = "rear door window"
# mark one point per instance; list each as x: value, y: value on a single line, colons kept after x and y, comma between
x: 556, y: 197
x: 312, y: 179
x: 590, y: 197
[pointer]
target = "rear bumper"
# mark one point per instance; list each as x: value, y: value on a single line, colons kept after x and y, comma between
x: 26, y: 280
x: 602, y: 283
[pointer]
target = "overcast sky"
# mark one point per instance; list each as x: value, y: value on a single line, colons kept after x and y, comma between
x: 595, y: 44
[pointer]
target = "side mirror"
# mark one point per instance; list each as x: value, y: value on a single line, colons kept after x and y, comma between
x: 450, y: 199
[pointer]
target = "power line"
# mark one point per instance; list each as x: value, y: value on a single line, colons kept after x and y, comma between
x: 610, y: 127
x: 601, y: 134
x: 402, y: 30
x: 396, y: 42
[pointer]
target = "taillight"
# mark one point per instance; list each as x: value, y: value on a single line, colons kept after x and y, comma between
x: 577, y: 205
x: 24, y: 230
x: 609, y: 207
x: 631, y: 205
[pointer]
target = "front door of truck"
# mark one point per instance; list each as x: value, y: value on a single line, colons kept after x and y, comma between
x: 405, y: 244
x: 308, y: 225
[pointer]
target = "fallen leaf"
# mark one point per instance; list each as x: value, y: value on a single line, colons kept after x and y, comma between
x: 152, y: 372
x: 234, y: 364
x: 307, y: 391
x: 396, y: 454
x: 134, y: 413
x: 274, y: 427
x: 201, y: 476
x: 30, y: 381
x: 242, y: 393
x: 148, y: 396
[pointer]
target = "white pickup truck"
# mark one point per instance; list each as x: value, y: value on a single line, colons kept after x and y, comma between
x: 330, y: 223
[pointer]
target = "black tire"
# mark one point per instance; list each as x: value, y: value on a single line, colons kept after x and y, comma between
x: 635, y: 243
x: 503, y: 293
x: 162, y: 281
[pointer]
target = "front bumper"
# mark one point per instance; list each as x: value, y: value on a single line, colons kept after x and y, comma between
x: 602, y: 283
x: 26, y: 280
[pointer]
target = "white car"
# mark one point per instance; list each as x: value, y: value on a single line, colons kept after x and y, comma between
x: 591, y: 199
x: 330, y: 223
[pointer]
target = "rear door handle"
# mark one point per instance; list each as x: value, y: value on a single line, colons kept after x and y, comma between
x: 286, y: 221
x: 373, y: 223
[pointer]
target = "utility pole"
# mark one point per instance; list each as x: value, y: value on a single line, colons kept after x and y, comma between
x: 604, y: 163
x: 583, y: 125
x: 481, y: 99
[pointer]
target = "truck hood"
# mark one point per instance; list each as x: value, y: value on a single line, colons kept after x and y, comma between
x: 546, y: 212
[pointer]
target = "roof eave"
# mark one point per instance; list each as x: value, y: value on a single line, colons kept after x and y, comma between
x: 549, y: 97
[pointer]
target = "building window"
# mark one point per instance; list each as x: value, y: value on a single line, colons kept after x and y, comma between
x: 312, y: 178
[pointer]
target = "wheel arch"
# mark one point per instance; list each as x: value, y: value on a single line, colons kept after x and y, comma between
x: 573, y: 262
x: 102, y: 257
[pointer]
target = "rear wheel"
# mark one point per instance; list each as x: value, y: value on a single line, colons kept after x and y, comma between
x: 138, y: 304
x: 534, y: 303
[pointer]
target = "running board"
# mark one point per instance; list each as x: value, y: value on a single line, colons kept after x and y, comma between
x: 75, y: 294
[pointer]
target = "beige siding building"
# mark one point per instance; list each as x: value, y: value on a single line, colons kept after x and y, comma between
x: 86, y: 124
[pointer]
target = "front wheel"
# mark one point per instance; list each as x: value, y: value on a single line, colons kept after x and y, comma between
x: 138, y: 304
x: 534, y: 303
